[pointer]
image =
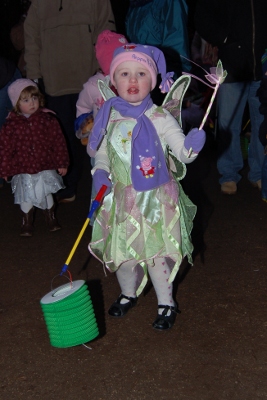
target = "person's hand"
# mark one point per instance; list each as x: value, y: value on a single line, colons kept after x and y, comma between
x: 100, y: 178
x: 195, y: 140
x: 62, y: 171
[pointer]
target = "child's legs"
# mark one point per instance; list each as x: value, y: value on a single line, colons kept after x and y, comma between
x: 159, y: 275
x: 49, y: 201
x: 126, y: 276
x: 27, y: 219
x: 40, y: 195
x: 26, y: 207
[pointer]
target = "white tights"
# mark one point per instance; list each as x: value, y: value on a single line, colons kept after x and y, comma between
x: 26, y: 207
x: 159, y: 275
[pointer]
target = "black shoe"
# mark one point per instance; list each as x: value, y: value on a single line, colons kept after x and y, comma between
x: 164, y: 321
x: 69, y: 199
x: 119, y: 310
x: 66, y: 195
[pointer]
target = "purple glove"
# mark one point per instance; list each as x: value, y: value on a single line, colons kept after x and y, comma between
x: 100, y: 178
x: 195, y: 140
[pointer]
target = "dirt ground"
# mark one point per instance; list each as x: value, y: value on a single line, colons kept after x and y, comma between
x: 217, y: 348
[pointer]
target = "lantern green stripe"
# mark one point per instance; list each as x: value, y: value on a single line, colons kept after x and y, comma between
x: 69, y: 315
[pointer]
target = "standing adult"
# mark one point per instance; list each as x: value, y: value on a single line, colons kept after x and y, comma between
x: 238, y: 29
x: 59, y: 50
x: 17, y: 38
x: 10, y: 12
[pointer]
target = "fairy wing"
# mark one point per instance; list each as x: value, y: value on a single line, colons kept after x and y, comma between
x: 105, y: 90
x: 173, y: 103
x: 174, y: 98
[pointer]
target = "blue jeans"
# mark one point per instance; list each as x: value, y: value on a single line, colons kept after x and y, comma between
x: 264, y: 179
x: 232, y: 99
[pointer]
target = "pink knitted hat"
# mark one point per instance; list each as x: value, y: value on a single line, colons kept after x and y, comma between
x: 106, y: 43
x: 149, y: 57
x: 16, y: 88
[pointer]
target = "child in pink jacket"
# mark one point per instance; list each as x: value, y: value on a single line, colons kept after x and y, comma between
x: 90, y: 99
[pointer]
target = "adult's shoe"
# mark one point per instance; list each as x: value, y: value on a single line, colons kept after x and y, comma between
x: 229, y: 187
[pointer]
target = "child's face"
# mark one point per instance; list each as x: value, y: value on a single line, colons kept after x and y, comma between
x: 28, y: 104
x: 132, y: 81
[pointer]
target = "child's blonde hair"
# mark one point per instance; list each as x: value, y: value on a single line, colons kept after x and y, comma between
x: 29, y: 91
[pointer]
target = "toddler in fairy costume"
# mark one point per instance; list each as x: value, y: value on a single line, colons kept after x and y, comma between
x: 141, y: 228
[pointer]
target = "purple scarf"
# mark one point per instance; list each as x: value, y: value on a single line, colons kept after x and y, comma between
x: 148, y: 170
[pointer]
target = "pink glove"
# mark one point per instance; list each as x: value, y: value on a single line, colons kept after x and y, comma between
x: 100, y: 178
x: 195, y: 140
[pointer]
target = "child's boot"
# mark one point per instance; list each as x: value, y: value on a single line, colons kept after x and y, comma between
x: 27, y: 223
x: 51, y: 220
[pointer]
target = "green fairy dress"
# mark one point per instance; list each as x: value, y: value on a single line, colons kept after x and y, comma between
x: 140, y: 226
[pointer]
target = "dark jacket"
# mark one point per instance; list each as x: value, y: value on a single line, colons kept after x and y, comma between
x: 262, y: 93
x: 161, y: 23
x: 238, y: 29
x: 31, y: 145
x: 7, y: 70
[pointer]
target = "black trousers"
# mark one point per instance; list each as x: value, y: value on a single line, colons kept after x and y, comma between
x: 65, y: 109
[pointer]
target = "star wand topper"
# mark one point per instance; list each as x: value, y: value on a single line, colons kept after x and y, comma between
x: 216, y: 76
